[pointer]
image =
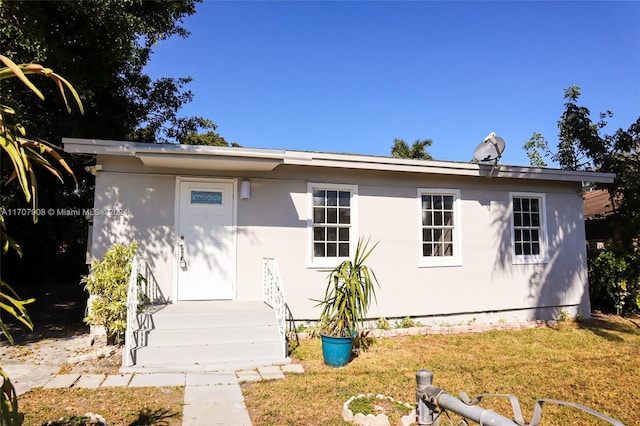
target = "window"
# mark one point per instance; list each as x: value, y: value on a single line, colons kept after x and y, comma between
x: 439, y: 227
x: 332, y: 227
x: 528, y: 227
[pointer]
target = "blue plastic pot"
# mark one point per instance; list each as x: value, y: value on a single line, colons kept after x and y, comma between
x: 336, y: 350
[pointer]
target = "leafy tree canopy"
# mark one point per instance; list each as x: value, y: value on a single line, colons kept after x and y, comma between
x: 101, y: 47
x: 401, y: 149
x: 582, y: 145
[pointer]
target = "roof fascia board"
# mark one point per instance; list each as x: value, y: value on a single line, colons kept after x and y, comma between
x: 332, y: 160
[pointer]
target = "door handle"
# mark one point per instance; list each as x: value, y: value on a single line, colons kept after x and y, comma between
x: 183, y: 262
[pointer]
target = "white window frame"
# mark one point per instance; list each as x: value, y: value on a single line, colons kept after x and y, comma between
x: 330, y: 262
x: 543, y: 257
x: 438, y: 261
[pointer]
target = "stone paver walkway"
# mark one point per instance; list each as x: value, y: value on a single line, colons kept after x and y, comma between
x: 210, y: 398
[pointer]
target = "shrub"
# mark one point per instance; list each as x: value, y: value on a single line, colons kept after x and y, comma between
x: 614, y: 280
x: 108, y: 283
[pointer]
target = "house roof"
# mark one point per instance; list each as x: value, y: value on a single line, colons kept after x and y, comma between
x: 258, y: 159
x: 597, y: 203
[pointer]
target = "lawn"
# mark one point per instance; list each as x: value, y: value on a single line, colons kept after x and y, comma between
x: 593, y: 363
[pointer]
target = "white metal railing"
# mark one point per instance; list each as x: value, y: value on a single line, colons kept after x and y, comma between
x: 273, y: 295
x: 133, y: 298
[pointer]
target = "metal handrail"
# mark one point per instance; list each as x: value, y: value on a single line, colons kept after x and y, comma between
x: 273, y: 295
x: 133, y: 298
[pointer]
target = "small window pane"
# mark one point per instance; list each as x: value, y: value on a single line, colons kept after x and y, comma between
x: 343, y: 234
x: 332, y: 250
x: 525, y: 205
x: 332, y: 215
x: 437, y: 218
x: 332, y: 198
x: 448, y: 202
x: 448, y: 249
x: 318, y: 250
x: 517, y: 219
x: 427, y: 250
x: 318, y: 198
x: 332, y: 234
x: 319, y: 233
x: 448, y: 218
x: 437, y: 235
x: 535, y: 207
x: 427, y: 235
x: 526, y: 235
x: 345, y: 216
x: 517, y: 206
x: 535, y: 248
x: 426, y: 202
x: 447, y: 235
x: 526, y: 249
x: 437, y: 202
x: 344, y: 249
x: 427, y: 218
x: 518, y: 249
x: 345, y: 199
x: 437, y: 250
x: 318, y: 215
x: 535, y: 219
x: 526, y: 219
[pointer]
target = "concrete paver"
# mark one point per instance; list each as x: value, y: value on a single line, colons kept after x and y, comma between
x: 248, y: 376
x: 90, y: 381
x: 293, y: 368
x: 216, y: 414
x: 157, y: 380
x: 221, y: 405
x: 271, y: 372
x: 61, y: 381
x: 114, y: 380
x: 211, y: 379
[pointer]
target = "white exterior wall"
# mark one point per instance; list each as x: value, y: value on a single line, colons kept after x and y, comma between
x: 273, y: 223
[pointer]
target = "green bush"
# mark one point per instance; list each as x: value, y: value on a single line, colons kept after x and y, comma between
x: 614, y: 280
x: 108, y: 283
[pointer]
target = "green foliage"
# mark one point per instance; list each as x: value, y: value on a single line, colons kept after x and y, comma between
x: 537, y: 148
x: 408, y: 322
x: 583, y: 146
x: 108, y: 283
x: 401, y: 149
x: 614, y: 279
x: 9, y: 415
x: 102, y: 46
x: 349, y: 293
x: 383, y: 324
x: 23, y: 154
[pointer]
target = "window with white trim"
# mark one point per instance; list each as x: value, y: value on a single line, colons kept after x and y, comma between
x: 528, y: 227
x: 332, y: 222
x: 439, y: 227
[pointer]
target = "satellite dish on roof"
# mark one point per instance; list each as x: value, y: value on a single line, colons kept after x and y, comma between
x: 490, y: 149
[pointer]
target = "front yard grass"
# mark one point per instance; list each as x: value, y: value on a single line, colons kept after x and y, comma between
x: 594, y: 362
x: 118, y: 406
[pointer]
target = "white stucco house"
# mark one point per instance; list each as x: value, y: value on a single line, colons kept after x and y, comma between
x: 456, y: 240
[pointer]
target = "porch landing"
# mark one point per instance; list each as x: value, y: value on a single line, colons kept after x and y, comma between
x: 207, y: 336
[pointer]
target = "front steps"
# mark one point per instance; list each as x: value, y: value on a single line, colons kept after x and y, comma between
x: 208, y: 336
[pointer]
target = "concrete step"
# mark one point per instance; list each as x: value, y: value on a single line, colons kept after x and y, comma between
x: 209, y: 354
x: 210, y: 315
x: 206, y: 336
x: 162, y: 337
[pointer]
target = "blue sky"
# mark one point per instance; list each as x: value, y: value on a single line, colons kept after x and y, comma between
x: 352, y: 76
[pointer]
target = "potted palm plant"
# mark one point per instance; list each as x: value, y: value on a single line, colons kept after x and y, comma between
x: 350, y: 290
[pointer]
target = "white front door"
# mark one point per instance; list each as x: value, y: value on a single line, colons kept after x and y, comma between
x: 206, y: 241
